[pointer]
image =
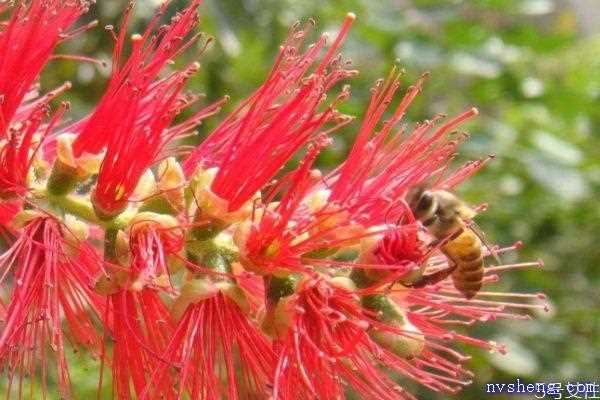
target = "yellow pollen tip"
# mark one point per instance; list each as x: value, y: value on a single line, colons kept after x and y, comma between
x: 119, y: 193
x: 271, y: 250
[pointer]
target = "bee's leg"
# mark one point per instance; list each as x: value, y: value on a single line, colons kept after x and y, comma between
x: 432, y: 279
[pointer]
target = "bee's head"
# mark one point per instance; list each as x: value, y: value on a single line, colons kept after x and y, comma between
x: 421, y: 202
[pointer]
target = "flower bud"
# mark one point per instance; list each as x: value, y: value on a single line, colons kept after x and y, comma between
x: 145, y: 218
x: 317, y: 200
x: 408, y: 343
x: 210, y: 205
x: 146, y: 186
x: 75, y: 230
x: 196, y: 290
x: 402, y: 337
x: 343, y: 282
x: 68, y: 170
x: 171, y: 181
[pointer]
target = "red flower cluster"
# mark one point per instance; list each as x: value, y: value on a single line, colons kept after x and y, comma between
x: 27, y: 42
x: 228, y: 271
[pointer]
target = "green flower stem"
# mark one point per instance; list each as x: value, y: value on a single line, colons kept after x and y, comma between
x: 83, y: 209
x: 76, y: 206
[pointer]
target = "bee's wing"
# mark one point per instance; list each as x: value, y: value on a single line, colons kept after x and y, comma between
x: 479, y: 233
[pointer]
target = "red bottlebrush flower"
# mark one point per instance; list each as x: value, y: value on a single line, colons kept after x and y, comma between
x: 141, y: 329
x: 298, y: 285
x: 129, y: 155
x: 52, y: 295
x: 27, y: 41
x: 7, y: 212
x: 298, y: 229
x: 148, y: 56
x: 382, y: 166
x: 327, y: 345
x: 23, y: 140
x: 153, y: 238
x: 270, y: 240
x: 316, y: 214
x: 279, y: 118
x: 132, y: 118
x: 437, y: 309
x: 218, y: 352
x: 141, y: 323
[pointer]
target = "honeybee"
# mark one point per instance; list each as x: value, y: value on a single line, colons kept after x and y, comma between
x: 449, y: 220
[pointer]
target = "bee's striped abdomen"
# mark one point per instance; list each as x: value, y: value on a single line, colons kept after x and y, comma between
x: 466, y: 252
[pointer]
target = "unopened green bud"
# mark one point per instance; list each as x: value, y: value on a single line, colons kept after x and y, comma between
x: 280, y: 287
x: 407, y: 344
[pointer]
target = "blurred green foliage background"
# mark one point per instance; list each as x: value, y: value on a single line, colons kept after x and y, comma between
x: 532, y: 67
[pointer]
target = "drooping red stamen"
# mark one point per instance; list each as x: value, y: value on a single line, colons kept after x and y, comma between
x: 150, y: 246
x: 328, y: 347
x: 218, y: 352
x: 141, y: 322
x: 52, y: 296
x: 141, y: 328
x: 269, y: 243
